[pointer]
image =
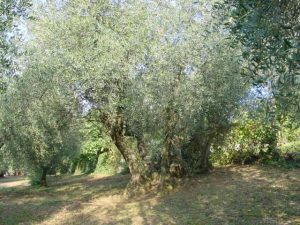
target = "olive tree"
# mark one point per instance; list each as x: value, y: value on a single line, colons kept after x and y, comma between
x: 186, y: 89
x: 269, y: 34
x: 155, y: 71
x: 39, y: 121
x: 11, y: 11
x: 96, y: 45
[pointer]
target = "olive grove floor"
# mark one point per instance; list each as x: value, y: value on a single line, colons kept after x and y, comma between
x: 245, y: 195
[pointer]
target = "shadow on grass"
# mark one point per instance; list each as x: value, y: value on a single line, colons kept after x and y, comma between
x: 11, y: 179
x: 249, y: 195
x: 233, y: 195
x: 35, y: 204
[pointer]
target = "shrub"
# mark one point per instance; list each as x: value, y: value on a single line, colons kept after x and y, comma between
x: 248, y: 142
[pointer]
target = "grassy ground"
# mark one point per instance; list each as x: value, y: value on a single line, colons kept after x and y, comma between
x: 233, y: 195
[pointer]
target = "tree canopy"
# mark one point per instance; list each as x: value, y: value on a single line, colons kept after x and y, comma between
x: 269, y: 33
x: 163, y: 82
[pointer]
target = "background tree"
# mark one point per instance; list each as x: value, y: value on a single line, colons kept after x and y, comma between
x: 269, y: 33
x: 39, y: 121
x: 11, y: 12
x: 97, y: 153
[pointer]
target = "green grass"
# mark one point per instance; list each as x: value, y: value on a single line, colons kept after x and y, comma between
x: 230, y: 195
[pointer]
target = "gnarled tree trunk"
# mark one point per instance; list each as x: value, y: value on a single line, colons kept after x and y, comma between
x: 141, y: 146
x: 168, y: 148
x: 199, y: 150
x: 133, y: 158
x: 171, y: 162
x: 202, y: 165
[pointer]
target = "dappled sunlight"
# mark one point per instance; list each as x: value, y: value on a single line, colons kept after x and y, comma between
x: 13, y: 182
x: 268, y: 177
x: 149, y: 112
x: 230, y: 195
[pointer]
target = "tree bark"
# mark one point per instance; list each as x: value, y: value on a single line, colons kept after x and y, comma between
x: 2, y: 173
x: 203, y: 165
x: 171, y: 163
x: 134, y: 161
x: 168, y: 143
x: 200, y: 150
x: 43, y: 181
x: 141, y: 146
x: 137, y: 168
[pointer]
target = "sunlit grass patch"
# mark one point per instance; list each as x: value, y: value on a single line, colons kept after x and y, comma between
x: 230, y: 195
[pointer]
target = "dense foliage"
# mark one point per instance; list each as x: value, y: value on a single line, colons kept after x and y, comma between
x: 38, y: 122
x: 149, y: 86
x: 11, y: 11
x: 249, y: 141
x: 269, y: 33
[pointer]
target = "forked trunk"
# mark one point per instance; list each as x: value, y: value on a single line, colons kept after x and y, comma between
x: 171, y: 160
x: 138, y: 171
x: 133, y: 159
